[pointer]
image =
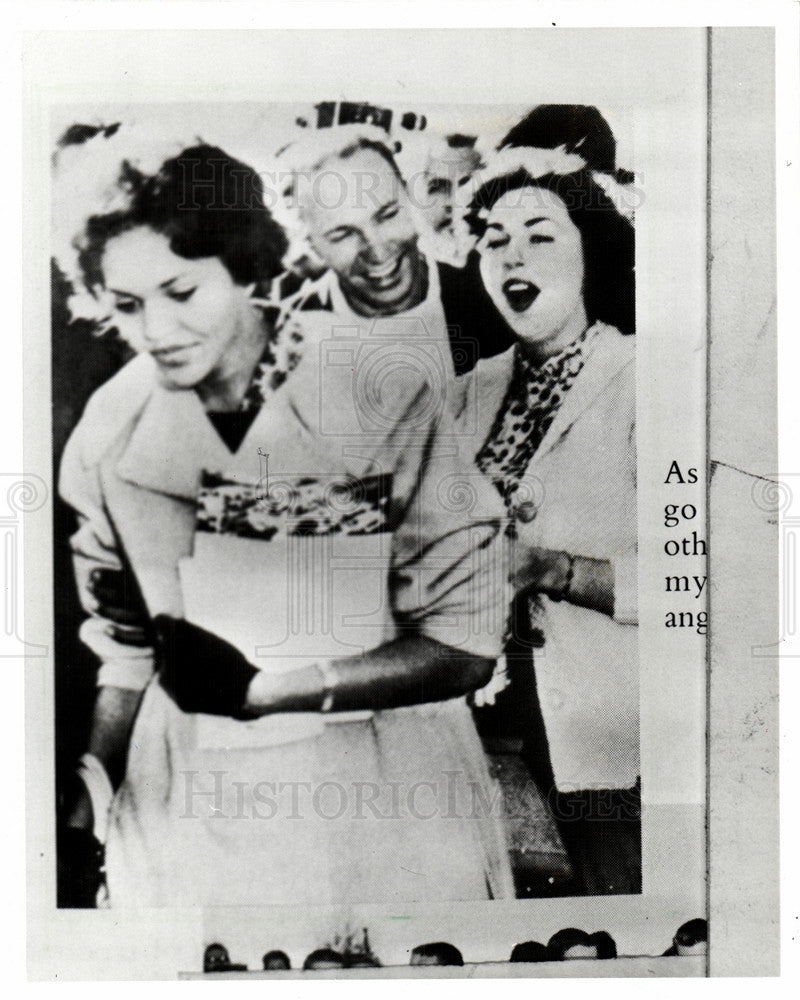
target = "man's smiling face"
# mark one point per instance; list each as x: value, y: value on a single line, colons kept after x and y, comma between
x: 359, y: 223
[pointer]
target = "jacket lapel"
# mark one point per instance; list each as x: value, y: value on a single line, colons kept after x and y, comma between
x: 608, y: 355
x: 171, y: 444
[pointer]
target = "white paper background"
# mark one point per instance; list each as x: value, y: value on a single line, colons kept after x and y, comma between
x: 632, y: 70
x: 627, y: 72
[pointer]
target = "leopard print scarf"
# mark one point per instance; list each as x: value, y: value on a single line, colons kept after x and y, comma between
x: 532, y: 400
x: 281, y: 356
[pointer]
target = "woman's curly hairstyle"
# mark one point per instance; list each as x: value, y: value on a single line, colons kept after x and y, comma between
x: 609, y: 290
x: 207, y: 204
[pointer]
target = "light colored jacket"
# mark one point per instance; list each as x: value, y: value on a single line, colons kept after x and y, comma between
x: 131, y: 471
x: 132, y: 468
x: 581, y: 484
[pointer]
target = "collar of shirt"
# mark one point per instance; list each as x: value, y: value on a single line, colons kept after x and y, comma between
x: 534, y: 396
x: 281, y: 356
x: 429, y: 312
x: 532, y: 379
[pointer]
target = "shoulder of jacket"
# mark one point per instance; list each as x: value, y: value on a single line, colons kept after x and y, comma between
x: 616, y: 345
x: 449, y: 274
x: 611, y: 368
x: 488, y: 378
x: 114, y: 407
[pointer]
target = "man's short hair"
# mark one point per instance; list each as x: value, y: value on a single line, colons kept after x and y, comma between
x: 323, y: 955
x: 216, y: 957
x: 530, y: 951
x: 275, y: 957
x: 444, y: 953
x: 313, y: 150
x: 561, y: 942
x: 692, y: 932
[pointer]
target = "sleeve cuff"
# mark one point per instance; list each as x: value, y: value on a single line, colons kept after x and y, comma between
x: 120, y: 666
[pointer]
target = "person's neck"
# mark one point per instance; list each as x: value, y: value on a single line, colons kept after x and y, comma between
x: 540, y: 351
x: 224, y: 388
x: 417, y: 294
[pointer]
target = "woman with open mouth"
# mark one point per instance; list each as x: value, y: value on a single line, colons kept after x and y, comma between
x: 555, y: 419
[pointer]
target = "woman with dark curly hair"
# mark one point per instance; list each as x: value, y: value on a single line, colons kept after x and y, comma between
x: 200, y: 763
x: 555, y: 419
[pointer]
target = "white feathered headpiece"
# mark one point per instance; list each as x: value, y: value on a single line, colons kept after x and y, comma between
x: 314, y: 146
x: 539, y: 162
x: 88, y: 181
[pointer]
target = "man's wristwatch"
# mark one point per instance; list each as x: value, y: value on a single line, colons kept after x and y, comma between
x: 330, y: 681
x: 563, y: 592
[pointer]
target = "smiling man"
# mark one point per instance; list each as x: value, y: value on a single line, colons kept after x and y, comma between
x: 359, y: 223
x: 356, y: 209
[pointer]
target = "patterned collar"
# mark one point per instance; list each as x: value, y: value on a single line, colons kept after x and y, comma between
x: 324, y: 294
x: 530, y: 376
x: 429, y: 308
x: 534, y: 396
x: 281, y: 356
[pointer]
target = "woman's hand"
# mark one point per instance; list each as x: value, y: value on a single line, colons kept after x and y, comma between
x: 499, y: 682
x: 200, y: 671
x: 543, y: 570
x: 119, y: 600
x: 75, y: 806
x: 580, y: 580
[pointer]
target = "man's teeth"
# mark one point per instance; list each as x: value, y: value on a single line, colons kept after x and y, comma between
x: 518, y: 286
x: 377, y: 273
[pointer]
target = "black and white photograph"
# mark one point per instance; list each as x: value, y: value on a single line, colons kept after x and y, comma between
x: 376, y: 447
x: 290, y: 543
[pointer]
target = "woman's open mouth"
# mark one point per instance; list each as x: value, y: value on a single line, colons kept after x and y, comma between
x: 520, y: 294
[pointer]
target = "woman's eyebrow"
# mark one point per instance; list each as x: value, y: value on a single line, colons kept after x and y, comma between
x: 336, y: 229
x: 389, y: 204
x: 171, y: 281
x: 532, y: 222
x: 121, y: 294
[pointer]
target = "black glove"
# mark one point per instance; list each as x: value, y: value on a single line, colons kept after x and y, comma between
x: 120, y: 601
x: 81, y: 858
x: 200, y: 671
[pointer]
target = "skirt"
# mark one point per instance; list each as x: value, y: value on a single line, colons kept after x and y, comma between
x: 393, y: 806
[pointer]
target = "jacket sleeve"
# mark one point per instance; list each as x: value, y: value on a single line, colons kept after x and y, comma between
x: 450, y: 561
x: 94, y: 546
x: 626, y: 563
